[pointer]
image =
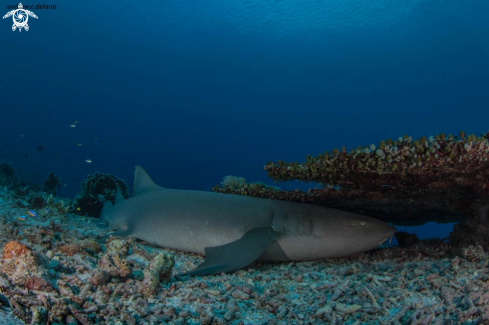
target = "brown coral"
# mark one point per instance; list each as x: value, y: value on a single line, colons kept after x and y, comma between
x: 39, y: 284
x: 14, y: 249
x: 23, y: 267
x: 85, y: 246
x: 70, y: 249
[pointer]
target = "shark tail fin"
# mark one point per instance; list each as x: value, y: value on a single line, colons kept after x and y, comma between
x: 142, y: 182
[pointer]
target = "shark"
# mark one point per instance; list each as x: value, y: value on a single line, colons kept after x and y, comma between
x: 233, y: 231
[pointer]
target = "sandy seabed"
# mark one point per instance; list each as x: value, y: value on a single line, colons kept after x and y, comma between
x: 54, y: 270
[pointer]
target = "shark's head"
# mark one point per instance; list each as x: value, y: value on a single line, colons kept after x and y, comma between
x: 370, y: 231
x: 353, y: 233
x: 113, y: 218
x: 325, y: 233
x: 120, y: 215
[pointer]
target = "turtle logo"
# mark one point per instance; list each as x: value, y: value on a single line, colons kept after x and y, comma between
x: 20, y: 17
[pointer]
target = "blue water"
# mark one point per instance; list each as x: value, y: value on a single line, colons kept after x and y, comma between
x: 197, y: 90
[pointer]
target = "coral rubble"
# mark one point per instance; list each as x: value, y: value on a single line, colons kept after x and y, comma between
x: 55, y: 270
x: 129, y: 282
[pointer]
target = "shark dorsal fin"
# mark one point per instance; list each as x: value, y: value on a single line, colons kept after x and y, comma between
x: 118, y: 195
x: 142, y: 182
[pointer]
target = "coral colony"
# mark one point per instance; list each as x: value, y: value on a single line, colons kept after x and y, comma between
x: 57, y: 267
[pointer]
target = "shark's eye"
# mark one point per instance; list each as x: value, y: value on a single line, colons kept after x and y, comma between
x: 362, y: 223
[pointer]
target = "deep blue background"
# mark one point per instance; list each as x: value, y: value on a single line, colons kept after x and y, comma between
x: 197, y: 90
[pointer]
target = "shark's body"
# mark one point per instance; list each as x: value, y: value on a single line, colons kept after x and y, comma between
x: 233, y: 231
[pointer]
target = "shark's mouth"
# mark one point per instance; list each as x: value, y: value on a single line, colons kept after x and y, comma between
x: 383, y: 240
x: 103, y: 225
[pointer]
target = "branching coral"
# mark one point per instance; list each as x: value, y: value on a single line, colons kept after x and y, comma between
x: 238, y: 185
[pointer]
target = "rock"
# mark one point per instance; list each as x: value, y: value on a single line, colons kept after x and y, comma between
x: 158, y: 270
x: 406, y: 240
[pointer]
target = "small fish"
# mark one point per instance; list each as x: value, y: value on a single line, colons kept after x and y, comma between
x: 78, y: 144
x: 21, y: 135
x: 88, y: 161
x: 22, y: 218
x: 73, y: 125
x: 64, y: 184
x: 78, y: 209
x: 75, y: 121
x: 46, y: 210
x: 32, y: 213
x: 40, y: 148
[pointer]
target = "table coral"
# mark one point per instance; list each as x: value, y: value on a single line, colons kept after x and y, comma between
x: 405, y: 182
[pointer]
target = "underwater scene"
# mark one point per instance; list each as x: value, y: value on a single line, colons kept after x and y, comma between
x: 244, y: 162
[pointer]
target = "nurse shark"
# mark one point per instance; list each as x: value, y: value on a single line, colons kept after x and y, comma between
x: 232, y: 231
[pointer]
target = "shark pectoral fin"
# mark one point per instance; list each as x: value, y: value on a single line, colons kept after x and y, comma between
x: 237, y: 254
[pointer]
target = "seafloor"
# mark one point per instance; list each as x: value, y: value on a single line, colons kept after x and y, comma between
x: 54, y: 271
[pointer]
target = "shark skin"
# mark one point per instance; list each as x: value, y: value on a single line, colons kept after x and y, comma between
x: 232, y: 231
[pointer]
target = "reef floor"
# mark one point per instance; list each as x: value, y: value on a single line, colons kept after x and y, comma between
x: 56, y: 270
